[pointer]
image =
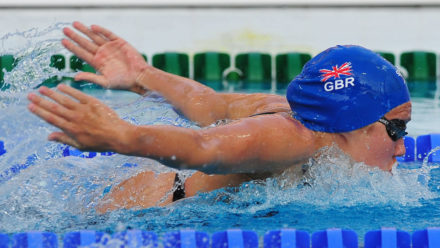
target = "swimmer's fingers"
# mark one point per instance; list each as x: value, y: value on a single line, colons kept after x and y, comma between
x: 81, y: 97
x: 98, y: 39
x: 78, y: 51
x: 81, y: 41
x: 48, y: 108
x: 104, y: 32
x: 61, y: 137
x: 49, y: 117
x: 59, y: 98
x: 92, y: 77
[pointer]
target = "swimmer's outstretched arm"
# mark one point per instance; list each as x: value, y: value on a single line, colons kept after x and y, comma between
x: 122, y: 67
x: 267, y: 143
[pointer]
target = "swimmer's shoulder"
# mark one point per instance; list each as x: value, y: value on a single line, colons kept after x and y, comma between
x: 296, y: 131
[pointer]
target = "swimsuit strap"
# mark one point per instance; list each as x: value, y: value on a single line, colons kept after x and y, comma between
x: 179, y: 192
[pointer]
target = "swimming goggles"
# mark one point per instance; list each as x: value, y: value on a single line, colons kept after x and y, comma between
x: 396, y: 128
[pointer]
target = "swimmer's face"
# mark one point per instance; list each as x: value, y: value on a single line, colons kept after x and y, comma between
x: 372, y: 144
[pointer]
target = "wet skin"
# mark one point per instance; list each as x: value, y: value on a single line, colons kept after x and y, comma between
x: 227, y: 155
x: 372, y: 145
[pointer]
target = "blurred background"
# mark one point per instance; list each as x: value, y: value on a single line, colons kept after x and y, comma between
x: 237, y: 25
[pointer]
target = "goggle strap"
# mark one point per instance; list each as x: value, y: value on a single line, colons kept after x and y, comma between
x: 384, y: 121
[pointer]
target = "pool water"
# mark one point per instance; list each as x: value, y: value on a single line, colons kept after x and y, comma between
x: 40, y: 189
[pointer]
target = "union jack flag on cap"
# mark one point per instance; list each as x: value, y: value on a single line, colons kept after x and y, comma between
x: 344, y: 69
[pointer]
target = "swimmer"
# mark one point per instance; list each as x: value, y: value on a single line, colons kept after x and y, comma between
x: 346, y: 96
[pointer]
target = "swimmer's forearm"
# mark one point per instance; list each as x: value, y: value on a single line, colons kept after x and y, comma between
x: 196, y: 101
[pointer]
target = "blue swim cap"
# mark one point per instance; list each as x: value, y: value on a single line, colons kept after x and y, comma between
x: 345, y: 88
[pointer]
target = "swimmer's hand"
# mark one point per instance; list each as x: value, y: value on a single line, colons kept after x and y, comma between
x: 120, y: 65
x: 85, y: 122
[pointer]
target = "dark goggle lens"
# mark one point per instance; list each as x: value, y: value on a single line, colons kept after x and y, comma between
x: 396, y: 129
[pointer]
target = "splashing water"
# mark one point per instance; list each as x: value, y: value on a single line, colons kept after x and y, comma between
x: 32, y: 50
x: 42, y: 190
x: 334, y: 180
x: 433, y: 150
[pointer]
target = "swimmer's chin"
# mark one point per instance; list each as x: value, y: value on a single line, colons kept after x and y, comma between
x: 393, y: 165
x: 387, y: 168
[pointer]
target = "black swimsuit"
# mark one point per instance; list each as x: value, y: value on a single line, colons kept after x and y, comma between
x: 179, y: 184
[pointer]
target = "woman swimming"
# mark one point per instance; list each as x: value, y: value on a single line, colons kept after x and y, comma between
x: 346, y: 96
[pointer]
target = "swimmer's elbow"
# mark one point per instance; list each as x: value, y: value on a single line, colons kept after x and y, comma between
x: 205, y: 107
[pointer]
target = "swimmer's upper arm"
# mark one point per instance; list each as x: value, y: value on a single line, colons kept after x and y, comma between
x: 205, y: 106
x: 269, y: 143
x: 266, y: 143
x: 244, y: 105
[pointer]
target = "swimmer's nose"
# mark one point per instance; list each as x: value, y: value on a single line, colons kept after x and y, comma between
x: 400, y: 148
